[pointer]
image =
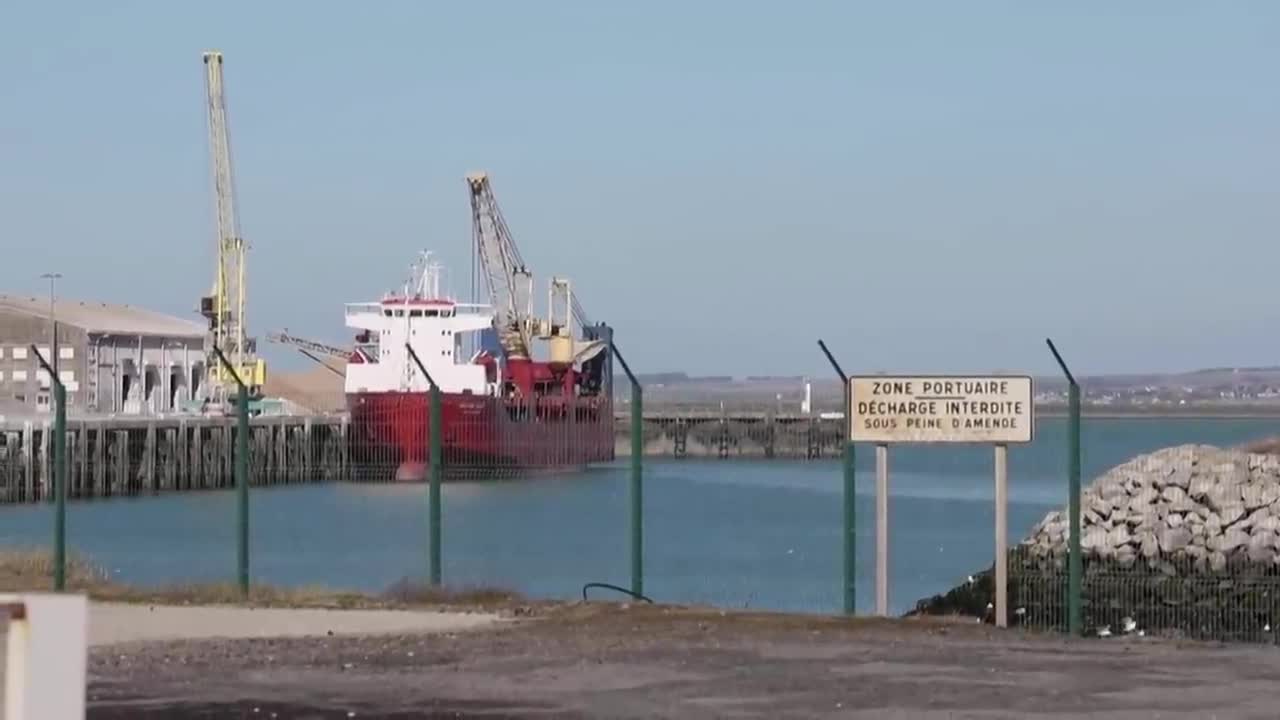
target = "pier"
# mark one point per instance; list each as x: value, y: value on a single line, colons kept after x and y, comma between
x: 114, y: 457
x: 709, y: 434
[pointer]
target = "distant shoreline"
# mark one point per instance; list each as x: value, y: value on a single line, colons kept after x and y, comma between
x: 1220, y: 412
x: 1198, y: 413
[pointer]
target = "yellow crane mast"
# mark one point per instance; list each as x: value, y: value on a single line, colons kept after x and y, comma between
x: 225, y: 308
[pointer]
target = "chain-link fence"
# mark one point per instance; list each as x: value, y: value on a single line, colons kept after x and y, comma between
x: 737, y: 532
x: 1239, y: 601
x: 379, y: 527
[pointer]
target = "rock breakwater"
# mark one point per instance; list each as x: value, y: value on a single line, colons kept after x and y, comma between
x: 1187, y: 536
x: 1193, y: 505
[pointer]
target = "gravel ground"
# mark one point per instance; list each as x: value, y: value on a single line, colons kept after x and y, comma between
x: 114, y: 623
x: 603, y: 660
x: 125, y: 627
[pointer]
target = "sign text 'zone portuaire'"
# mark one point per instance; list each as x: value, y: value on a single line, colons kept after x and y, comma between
x: 951, y: 409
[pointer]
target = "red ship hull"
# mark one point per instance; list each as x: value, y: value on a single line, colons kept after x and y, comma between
x: 483, y: 436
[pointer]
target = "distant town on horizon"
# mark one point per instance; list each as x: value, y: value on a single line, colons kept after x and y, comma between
x: 1216, y: 389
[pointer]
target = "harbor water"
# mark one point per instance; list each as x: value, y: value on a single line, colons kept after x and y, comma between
x: 761, y: 534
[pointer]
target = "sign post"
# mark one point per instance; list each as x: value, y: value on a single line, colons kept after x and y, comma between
x: 887, y: 410
x: 882, y: 530
x: 1002, y: 535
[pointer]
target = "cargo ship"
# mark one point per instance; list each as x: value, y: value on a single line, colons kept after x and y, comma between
x: 504, y: 412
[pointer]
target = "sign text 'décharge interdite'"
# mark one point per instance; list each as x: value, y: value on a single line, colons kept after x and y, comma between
x: 956, y: 409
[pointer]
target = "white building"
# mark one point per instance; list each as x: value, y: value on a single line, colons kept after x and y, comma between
x: 111, y: 358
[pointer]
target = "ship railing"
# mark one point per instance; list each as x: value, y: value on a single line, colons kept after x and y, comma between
x: 376, y: 310
x: 472, y: 309
x: 555, y: 406
x: 363, y: 308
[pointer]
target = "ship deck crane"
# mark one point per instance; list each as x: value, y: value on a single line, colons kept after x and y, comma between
x: 225, y: 307
x: 509, y: 283
x: 319, y: 348
x: 506, y: 276
x: 312, y: 349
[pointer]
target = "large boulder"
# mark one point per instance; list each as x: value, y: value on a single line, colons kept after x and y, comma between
x: 1184, y: 536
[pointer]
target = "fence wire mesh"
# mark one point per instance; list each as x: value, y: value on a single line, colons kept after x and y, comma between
x: 736, y: 532
x: 1239, y: 602
x: 483, y: 438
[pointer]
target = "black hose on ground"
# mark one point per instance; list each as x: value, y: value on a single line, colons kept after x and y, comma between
x: 607, y: 586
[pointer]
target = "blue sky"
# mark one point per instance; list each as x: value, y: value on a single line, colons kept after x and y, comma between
x: 928, y: 186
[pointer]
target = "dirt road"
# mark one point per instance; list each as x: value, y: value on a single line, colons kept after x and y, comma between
x: 598, y: 660
x: 121, y: 626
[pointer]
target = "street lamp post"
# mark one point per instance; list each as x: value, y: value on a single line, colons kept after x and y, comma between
x: 52, y: 277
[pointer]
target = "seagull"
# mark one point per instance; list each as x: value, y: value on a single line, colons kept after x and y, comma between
x: 971, y: 580
x: 1129, y: 624
x: 1104, y: 631
x: 1020, y: 611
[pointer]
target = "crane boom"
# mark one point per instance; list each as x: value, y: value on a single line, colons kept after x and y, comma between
x: 284, y: 338
x: 509, y: 244
x: 225, y: 308
x: 505, y: 274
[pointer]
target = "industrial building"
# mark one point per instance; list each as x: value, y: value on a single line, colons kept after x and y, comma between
x: 112, y: 359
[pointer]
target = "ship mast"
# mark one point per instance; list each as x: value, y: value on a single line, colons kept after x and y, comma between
x: 424, y: 278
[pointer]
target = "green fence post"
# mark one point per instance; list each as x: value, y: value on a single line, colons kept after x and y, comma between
x: 242, y: 474
x: 637, y: 488
x: 437, y: 474
x: 242, y: 489
x: 849, y: 533
x: 59, y: 471
x: 435, y: 443
x: 637, y: 475
x: 1075, y: 560
x: 60, y: 478
x: 1076, y: 569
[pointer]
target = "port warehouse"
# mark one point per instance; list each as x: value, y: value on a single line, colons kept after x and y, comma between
x: 112, y: 359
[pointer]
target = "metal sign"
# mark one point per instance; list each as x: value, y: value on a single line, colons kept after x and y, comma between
x: 47, y: 656
x: 886, y: 409
x: 941, y: 409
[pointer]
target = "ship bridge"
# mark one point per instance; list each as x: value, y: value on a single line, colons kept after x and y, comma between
x: 434, y: 326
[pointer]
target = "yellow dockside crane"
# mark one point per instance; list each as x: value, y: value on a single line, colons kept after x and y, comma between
x: 225, y: 308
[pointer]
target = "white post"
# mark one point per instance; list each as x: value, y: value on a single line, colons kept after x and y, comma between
x: 882, y: 530
x: 1002, y: 535
x: 46, y: 657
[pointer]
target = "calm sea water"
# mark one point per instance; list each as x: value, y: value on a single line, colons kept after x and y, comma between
x: 759, y: 534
